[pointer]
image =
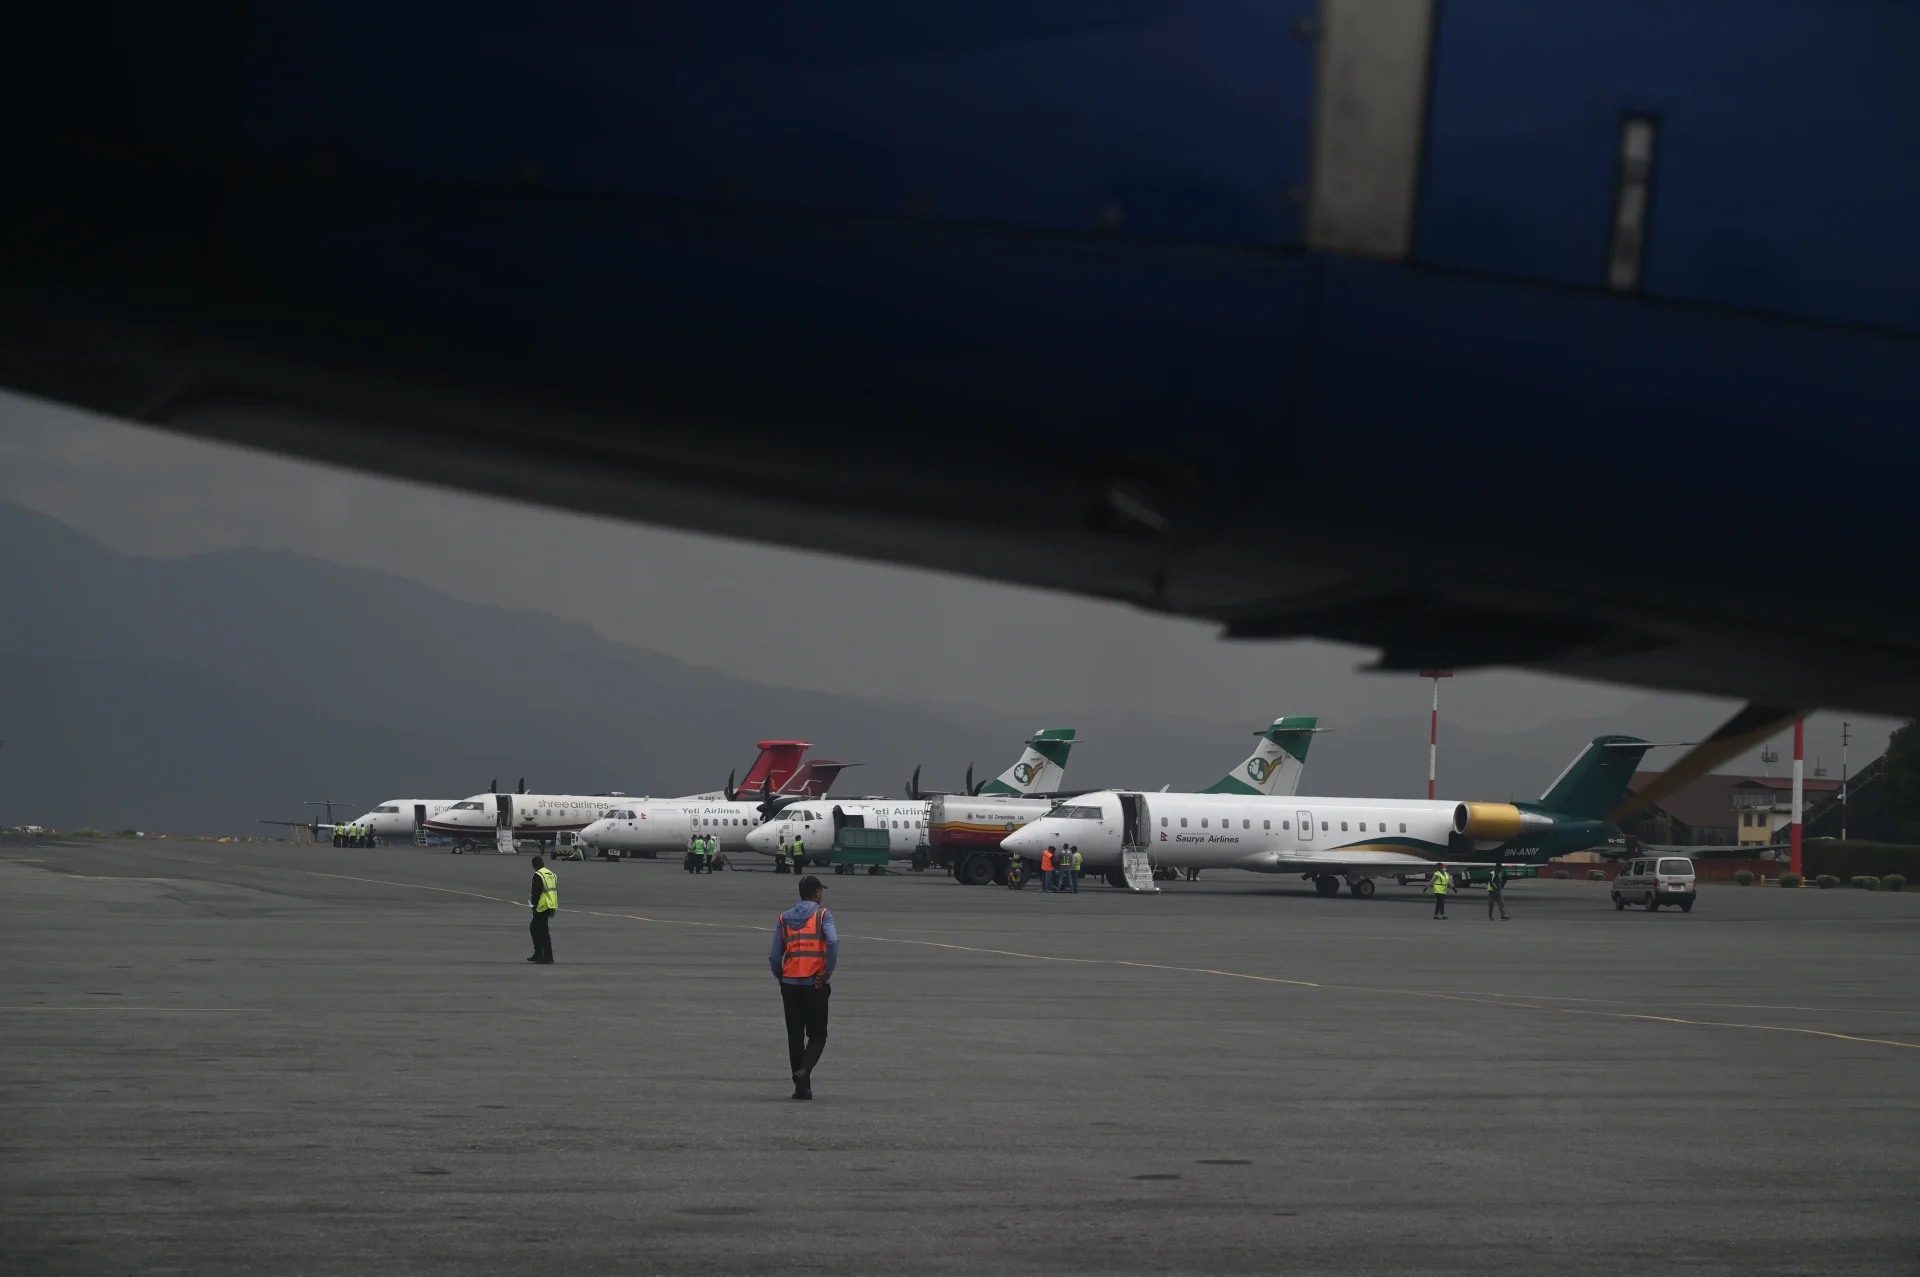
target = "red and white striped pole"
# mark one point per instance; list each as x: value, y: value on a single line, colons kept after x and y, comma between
x: 1433, y: 735
x: 1799, y: 777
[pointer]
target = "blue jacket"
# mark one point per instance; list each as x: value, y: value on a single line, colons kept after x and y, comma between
x: 797, y: 916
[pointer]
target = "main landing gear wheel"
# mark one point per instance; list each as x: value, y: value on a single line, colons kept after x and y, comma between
x: 1117, y: 877
x: 975, y: 871
x: 1361, y: 887
x: 1326, y: 885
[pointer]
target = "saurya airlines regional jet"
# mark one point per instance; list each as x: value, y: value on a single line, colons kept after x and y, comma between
x: 1331, y: 839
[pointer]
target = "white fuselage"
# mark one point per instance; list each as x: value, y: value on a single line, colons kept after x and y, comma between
x: 532, y: 814
x: 1266, y: 835
x: 905, y: 821
x: 665, y: 824
x: 394, y: 817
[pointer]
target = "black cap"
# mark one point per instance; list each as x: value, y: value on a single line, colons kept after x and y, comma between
x: 809, y: 887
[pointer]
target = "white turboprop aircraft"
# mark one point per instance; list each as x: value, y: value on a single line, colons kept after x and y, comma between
x: 544, y: 817
x: 967, y: 830
x: 1331, y: 839
x: 771, y: 821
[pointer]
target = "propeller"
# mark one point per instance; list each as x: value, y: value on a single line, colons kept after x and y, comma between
x: 913, y: 786
x: 1747, y: 728
x: 970, y: 791
x: 771, y: 806
x: 729, y: 789
x: 493, y: 786
x: 523, y: 786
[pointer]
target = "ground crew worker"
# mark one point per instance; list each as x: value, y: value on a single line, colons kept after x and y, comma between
x: 1075, y: 871
x: 799, y: 853
x: 1497, y: 893
x: 1442, y: 883
x: 1046, y: 870
x: 806, y: 947
x: 709, y: 848
x: 544, y: 896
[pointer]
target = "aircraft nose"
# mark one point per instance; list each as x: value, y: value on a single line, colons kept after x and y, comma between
x: 761, y: 839
x: 1029, y: 840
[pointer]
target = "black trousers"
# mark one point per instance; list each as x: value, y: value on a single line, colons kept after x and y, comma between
x: 542, y: 938
x: 806, y: 1009
x: 1439, y: 904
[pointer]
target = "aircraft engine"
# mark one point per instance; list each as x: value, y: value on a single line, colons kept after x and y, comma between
x: 1498, y: 822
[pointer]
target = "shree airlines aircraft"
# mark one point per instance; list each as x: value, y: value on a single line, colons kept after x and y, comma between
x: 1330, y: 839
x: 543, y: 816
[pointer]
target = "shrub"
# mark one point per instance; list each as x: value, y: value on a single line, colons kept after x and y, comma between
x: 1893, y: 882
x: 1562, y: 874
x: 1596, y: 875
x: 1826, y: 881
x: 1744, y: 877
x: 1866, y: 882
x: 1791, y: 880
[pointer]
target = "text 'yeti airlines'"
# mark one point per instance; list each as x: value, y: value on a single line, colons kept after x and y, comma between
x: 1331, y: 839
x: 543, y: 817
x: 925, y: 829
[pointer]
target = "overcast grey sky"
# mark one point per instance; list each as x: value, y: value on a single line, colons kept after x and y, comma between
x: 772, y: 614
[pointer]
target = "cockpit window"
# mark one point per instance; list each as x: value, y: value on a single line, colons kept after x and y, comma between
x: 387, y: 811
x: 1076, y: 813
x: 467, y: 807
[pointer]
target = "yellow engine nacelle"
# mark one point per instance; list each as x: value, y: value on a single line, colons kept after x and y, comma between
x: 1498, y: 822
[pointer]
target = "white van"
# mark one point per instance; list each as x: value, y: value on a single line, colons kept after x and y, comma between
x: 1652, y: 881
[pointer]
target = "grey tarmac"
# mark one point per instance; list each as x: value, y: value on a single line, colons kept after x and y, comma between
x: 225, y: 1058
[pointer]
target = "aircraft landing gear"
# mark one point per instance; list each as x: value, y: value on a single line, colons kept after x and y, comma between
x: 1361, y: 887
x: 1116, y: 877
x: 1326, y: 884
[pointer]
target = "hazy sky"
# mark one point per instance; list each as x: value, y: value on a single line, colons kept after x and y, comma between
x: 777, y: 615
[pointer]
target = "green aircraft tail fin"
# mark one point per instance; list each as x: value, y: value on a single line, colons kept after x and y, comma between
x: 1276, y: 765
x: 1042, y: 767
x: 1597, y: 779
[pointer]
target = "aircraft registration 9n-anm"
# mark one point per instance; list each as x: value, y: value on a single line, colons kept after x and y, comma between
x: 1334, y: 839
x: 1481, y: 295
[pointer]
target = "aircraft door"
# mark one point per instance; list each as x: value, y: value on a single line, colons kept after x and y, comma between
x: 503, y: 816
x: 419, y: 816
x: 1304, y: 819
x: 1133, y: 820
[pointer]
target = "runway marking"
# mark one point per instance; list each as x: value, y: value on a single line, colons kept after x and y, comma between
x: 107, y: 1006
x: 1500, y: 1000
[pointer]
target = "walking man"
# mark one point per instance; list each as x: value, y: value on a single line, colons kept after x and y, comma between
x: 1442, y: 884
x: 806, y: 947
x: 1497, y: 893
x: 546, y: 902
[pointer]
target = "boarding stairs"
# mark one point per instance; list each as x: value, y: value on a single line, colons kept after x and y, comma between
x: 1137, y: 868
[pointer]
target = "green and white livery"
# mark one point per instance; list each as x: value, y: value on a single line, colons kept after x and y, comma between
x: 1042, y: 769
x: 1276, y: 766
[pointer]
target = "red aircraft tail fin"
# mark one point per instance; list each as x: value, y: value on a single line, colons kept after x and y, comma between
x: 778, y: 761
x: 816, y: 778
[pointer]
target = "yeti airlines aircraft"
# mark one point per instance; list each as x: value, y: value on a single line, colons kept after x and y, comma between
x: 916, y: 824
x: 1330, y: 839
x: 545, y: 816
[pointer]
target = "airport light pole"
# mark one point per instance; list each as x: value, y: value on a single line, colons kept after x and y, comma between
x: 1843, y: 779
x: 1799, y: 781
x: 1433, y: 734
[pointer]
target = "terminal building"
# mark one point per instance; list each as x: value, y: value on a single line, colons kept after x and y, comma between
x: 1720, y: 810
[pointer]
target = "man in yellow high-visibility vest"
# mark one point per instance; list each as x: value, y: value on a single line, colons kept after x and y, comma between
x: 1442, y: 884
x: 544, y: 897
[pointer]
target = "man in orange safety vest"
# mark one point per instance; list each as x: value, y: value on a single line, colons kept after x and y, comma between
x: 806, y: 947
